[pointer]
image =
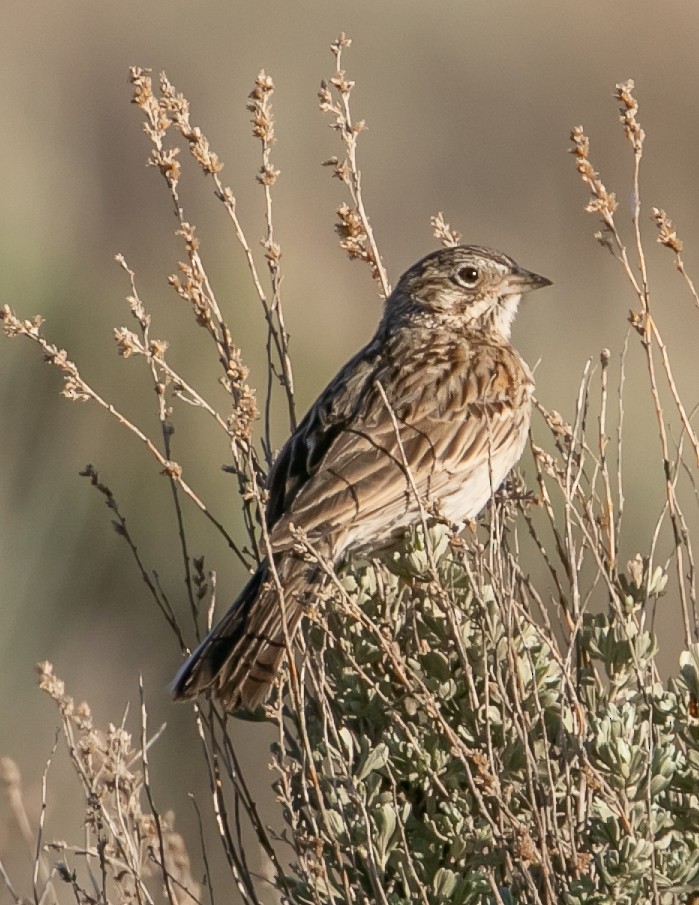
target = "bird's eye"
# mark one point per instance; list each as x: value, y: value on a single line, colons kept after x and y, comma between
x: 468, y: 276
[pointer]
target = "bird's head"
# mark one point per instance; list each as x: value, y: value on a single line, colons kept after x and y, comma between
x: 467, y: 287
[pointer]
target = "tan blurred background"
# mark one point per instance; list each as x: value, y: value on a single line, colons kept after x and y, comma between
x: 469, y: 106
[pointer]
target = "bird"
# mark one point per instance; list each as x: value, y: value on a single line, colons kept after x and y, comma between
x: 430, y: 416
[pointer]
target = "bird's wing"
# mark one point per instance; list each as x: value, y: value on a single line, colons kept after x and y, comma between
x: 336, y: 408
x: 418, y: 432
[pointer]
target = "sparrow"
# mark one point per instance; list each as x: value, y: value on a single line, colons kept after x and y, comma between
x: 430, y: 416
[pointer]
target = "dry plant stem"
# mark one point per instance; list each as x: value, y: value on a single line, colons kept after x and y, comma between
x: 245, y: 797
x: 146, y: 785
x: 346, y: 781
x: 585, y: 520
x: 603, y: 441
x: 673, y: 386
x: 175, y: 106
x: 533, y: 533
x: 643, y: 321
x: 120, y: 525
x: 585, y: 523
x: 12, y: 780
x: 664, y: 443
x: 328, y: 720
x: 222, y: 763
x: 206, y: 880
x: 348, y: 170
x: 160, y: 114
x: 128, y: 856
x: 164, y: 376
x: 379, y: 895
x: 211, y: 745
x: 620, y: 438
x: 17, y: 898
x: 691, y: 571
x: 542, y: 460
x: 682, y: 542
x: 321, y: 691
x: 143, y: 319
x: 515, y: 695
x: 122, y: 841
x: 226, y: 196
x: 77, y: 388
x: 290, y: 736
x: 289, y: 743
x: 294, y: 684
x: 568, y: 498
x: 40, y: 865
x: 259, y: 105
x: 405, y: 727
x: 549, y: 828
x: 349, y: 136
x: 406, y: 847
x: 667, y: 236
x: 411, y: 481
x: 565, y: 667
x: 495, y: 889
x: 127, y: 843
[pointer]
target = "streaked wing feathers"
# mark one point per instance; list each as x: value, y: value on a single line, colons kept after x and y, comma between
x: 338, y: 406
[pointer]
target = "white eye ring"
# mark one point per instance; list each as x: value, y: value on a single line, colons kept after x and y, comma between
x: 468, y: 276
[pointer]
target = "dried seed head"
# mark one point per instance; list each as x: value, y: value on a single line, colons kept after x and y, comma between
x: 340, y: 43
x: 601, y: 201
x: 172, y: 470
x: 628, y: 106
x: 325, y: 97
x: 127, y: 342
x: 268, y: 174
x: 443, y: 232
x: 157, y: 348
x: 259, y: 104
x: 667, y: 234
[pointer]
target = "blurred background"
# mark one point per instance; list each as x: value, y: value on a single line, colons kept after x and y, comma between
x: 469, y: 108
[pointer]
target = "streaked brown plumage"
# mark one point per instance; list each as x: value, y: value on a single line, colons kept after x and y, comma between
x: 460, y: 400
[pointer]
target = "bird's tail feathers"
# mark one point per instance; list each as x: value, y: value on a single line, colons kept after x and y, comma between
x: 239, y: 659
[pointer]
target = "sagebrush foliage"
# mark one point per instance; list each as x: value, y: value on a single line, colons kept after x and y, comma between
x: 483, y: 764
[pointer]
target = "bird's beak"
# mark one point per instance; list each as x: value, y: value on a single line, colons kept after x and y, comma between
x: 525, y: 281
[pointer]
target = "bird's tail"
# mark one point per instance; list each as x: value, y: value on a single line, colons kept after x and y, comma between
x: 240, y: 657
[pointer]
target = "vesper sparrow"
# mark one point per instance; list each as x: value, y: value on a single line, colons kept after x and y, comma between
x: 434, y: 410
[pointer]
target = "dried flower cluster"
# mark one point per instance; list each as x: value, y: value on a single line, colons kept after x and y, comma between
x: 667, y: 234
x: 601, y: 201
x: 133, y: 845
x: 259, y: 104
x: 443, y: 231
x: 74, y: 387
x: 628, y: 106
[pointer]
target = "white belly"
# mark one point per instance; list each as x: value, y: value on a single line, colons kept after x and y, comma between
x: 472, y: 494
